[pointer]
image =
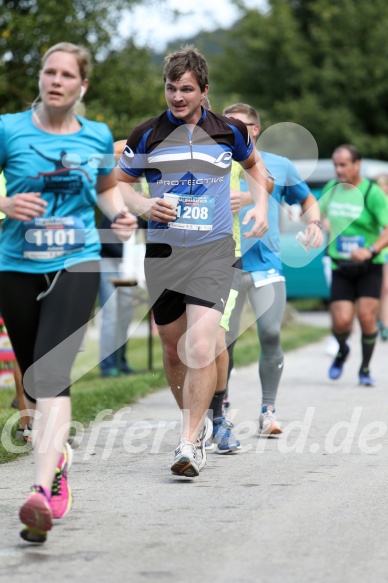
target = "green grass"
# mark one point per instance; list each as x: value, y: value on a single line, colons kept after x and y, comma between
x: 92, y: 393
x: 308, y: 304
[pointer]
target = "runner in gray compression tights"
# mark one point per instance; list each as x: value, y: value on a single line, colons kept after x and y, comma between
x: 262, y: 266
x: 268, y: 328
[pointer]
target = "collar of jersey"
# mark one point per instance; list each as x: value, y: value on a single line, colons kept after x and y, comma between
x: 180, y: 122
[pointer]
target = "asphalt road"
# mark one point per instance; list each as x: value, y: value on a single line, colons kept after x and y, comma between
x: 310, y: 506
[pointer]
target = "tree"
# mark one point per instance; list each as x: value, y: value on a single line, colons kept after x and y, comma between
x: 29, y: 27
x: 127, y: 88
x: 313, y: 62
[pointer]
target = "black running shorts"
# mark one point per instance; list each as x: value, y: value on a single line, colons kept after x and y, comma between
x: 176, y: 276
x: 368, y: 285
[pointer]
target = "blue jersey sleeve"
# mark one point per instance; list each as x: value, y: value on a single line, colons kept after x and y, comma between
x: 133, y: 160
x: 243, y: 146
x: 296, y: 190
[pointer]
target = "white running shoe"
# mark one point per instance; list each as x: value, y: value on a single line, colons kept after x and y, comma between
x: 204, y: 435
x: 185, y: 461
x: 25, y: 434
x: 332, y: 347
x: 209, y: 445
x: 268, y: 424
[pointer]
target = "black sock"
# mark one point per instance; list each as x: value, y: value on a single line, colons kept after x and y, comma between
x: 216, y: 403
x: 368, y: 342
x: 341, y: 339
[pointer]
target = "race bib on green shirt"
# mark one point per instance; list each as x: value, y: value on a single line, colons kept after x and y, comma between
x: 347, y: 244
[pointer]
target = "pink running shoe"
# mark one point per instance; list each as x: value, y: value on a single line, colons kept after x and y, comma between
x: 36, y: 515
x: 61, y: 496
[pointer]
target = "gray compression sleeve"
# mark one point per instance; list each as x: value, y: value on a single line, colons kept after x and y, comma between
x: 268, y: 327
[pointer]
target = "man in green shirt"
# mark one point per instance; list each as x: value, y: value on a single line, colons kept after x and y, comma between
x: 357, y: 212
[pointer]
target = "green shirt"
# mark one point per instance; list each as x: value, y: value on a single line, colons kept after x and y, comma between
x: 353, y: 223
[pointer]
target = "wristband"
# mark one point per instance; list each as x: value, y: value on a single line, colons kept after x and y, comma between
x: 117, y: 216
x: 373, y: 251
x: 318, y: 223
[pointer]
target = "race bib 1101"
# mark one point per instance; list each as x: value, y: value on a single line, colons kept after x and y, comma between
x: 50, y: 237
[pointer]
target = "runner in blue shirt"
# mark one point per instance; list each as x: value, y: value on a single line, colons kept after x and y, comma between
x: 188, y: 151
x: 263, y: 279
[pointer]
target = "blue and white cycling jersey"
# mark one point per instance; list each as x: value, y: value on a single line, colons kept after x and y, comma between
x: 196, y: 165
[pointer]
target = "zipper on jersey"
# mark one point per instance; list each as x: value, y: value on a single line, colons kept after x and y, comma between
x: 191, y: 185
x: 191, y: 158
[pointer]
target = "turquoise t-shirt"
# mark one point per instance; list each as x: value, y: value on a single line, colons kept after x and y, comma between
x: 2, y: 191
x: 64, y: 169
x: 264, y: 255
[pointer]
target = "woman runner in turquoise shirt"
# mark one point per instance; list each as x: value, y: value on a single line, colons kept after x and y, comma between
x: 57, y: 166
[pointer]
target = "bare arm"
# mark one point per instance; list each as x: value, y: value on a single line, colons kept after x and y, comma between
x: 312, y: 216
x: 112, y: 206
x: 256, y: 176
x: 156, y: 209
x: 382, y: 241
x: 240, y: 198
x: 23, y: 206
x: 362, y: 253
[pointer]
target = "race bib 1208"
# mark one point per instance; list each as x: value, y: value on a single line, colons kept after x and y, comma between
x: 194, y: 213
